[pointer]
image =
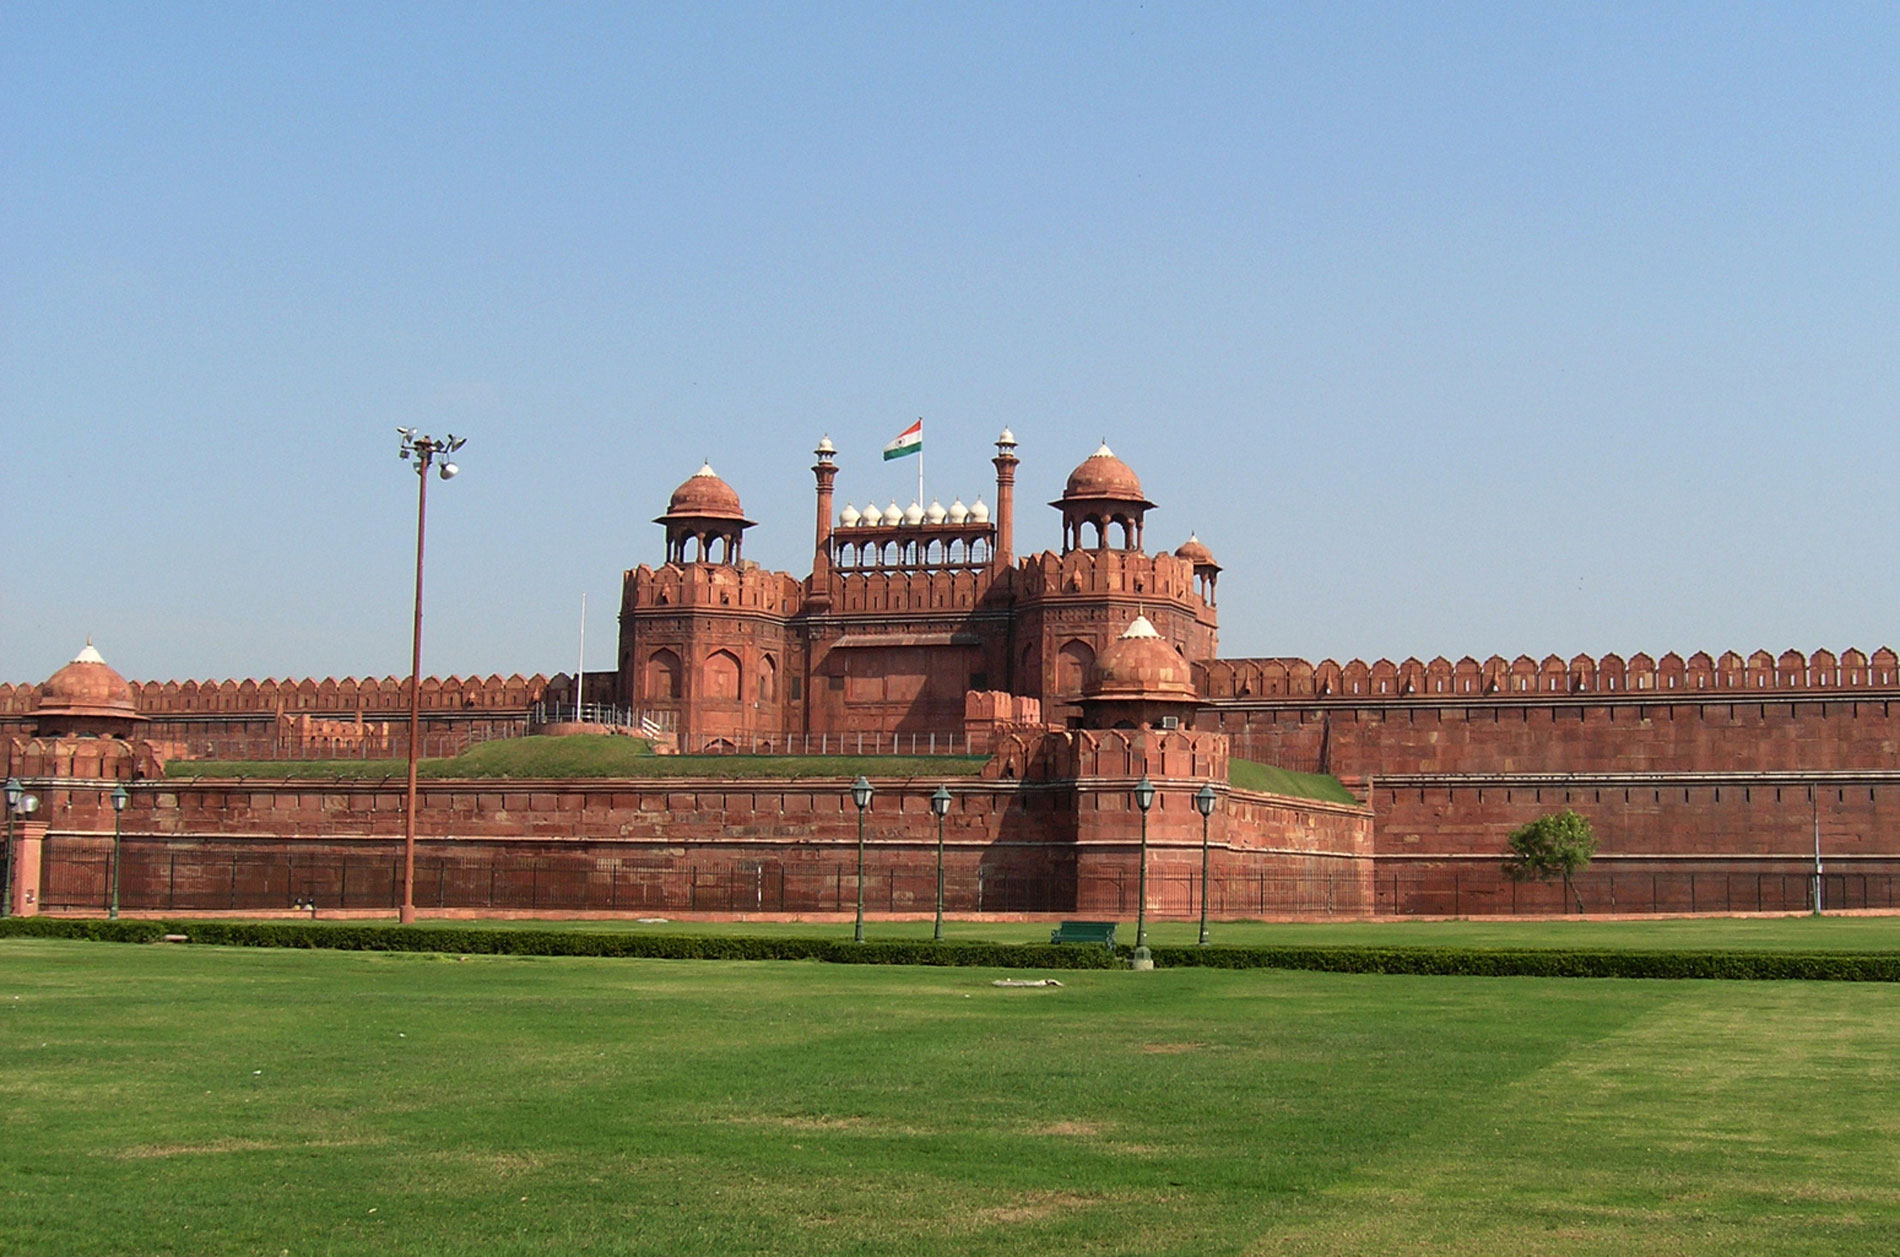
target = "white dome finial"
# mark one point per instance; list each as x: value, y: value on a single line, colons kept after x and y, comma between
x: 1140, y: 627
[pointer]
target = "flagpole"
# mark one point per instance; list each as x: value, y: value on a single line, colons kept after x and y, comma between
x: 920, y: 460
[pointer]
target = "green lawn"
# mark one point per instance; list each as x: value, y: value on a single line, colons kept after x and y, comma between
x: 1249, y: 774
x: 197, y: 1100
x: 598, y: 755
x: 1700, y: 934
x: 590, y: 755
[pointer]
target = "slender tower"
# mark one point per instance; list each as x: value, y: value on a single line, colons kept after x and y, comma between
x: 1004, y: 556
x: 826, y: 471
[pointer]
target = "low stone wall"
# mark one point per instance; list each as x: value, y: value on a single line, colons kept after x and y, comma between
x: 679, y: 845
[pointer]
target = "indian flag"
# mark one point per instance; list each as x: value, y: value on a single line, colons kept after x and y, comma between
x: 909, y: 441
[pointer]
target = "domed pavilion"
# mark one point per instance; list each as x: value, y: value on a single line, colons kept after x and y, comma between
x: 702, y: 511
x: 1139, y: 681
x: 1103, y: 492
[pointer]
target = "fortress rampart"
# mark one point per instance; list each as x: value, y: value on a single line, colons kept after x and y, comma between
x: 1062, y: 840
x: 1672, y: 675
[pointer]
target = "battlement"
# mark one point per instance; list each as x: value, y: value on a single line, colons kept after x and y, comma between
x: 711, y: 586
x: 1234, y: 680
x: 1161, y: 577
x: 901, y: 589
x: 331, y: 694
x: 1030, y: 754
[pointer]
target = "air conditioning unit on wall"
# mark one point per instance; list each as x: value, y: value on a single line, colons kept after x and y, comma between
x: 1171, y: 722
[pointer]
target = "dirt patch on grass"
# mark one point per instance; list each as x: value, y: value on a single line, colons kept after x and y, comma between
x: 1033, y: 1207
x: 143, y: 1152
x: 821, y: 1123
x: 1080, y: 1130
x: 1171, y: 1049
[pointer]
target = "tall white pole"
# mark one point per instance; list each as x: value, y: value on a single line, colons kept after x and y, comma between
x: 580, y: 676
x: 920, y: 461
x: 1814, y: 794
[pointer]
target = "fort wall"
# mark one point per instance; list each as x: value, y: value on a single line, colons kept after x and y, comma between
x: 1048, y: 842
x: 1764, y: 731
x: 1524, y: 677
x: 1666, y: 842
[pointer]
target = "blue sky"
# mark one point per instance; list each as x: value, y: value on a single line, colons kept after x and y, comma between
x: 1452, y: 329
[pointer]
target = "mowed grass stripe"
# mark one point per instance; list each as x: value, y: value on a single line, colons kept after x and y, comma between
x: 783, y: 1107
x: 1737, y: 1122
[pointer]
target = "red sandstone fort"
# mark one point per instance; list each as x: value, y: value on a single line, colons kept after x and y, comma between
x: 1715, y: 782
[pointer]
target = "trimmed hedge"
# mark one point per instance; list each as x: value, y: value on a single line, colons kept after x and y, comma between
x: 95, y: 930
x: 479, y: 941
x: 1547, y: 962
x: 1424, y: 961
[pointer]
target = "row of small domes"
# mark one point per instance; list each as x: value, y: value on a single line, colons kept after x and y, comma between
x: 914, y: 516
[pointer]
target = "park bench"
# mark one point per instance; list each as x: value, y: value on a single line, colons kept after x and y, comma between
x: 1101, y: 933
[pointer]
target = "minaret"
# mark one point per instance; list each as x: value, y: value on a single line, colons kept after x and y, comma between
x: 1005, y: 553
x: 826, y: 471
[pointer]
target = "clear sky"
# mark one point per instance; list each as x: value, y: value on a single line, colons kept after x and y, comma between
x: 1450, y: 328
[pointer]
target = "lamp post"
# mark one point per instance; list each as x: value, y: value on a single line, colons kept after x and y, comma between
x: 424, y: 450
x: 1204, y: 802
x: 120, y: 797
x: 14, y: 792
x: 1144, y: 799
x: 860, y: 795
x: 25, y: 804
x: 940, y: 808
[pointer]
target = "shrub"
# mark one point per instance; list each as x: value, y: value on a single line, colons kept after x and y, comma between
x: 95, y: 930
x: 476, y: 940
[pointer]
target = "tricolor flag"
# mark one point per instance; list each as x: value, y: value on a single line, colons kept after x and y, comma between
x: 909, y: 441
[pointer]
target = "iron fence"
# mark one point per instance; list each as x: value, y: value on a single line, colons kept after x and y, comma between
x: 946, y: 742
x: 160, y: 879
x: 1625, y: 892
x: 165, y: 877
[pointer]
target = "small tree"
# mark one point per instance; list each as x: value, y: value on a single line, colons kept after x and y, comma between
x: 1552, y: 846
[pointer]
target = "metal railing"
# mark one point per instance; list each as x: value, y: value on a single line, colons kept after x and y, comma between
x: 946, y: 742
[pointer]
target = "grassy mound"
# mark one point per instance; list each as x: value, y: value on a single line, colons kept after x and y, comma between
x: 1248, y: 774
x: 585, y: 756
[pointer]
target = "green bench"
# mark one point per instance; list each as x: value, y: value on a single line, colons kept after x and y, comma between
x: 1100, y: 933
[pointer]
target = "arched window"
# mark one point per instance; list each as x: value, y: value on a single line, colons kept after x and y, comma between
x: 722, y: 675
x: 663, y: 675
x: 1072, y: 666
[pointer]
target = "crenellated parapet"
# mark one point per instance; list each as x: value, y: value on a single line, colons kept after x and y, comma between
x: 1153, y: 577
x: 80, y: 759
x: 1042, y: 755
x: 332, y: 694
x: 708, y: 586
x: 1525, y: 677
x: 882, y: 590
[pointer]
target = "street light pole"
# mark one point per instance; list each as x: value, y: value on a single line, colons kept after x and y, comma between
x: 14, y: 790
x: 940, y: 807
x: 120, y: 797
x: 860, y: 795
x: 1144, y: 799
x: 1204, y: 804
x: 17, y: 801
x: 425, y: 450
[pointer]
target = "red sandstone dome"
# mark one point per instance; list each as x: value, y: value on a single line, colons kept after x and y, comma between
x: 703, y: 495
x: 1140, y: 664
x: 1103, y: 477
x: 88, y: 686
x: 1195, y: 551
